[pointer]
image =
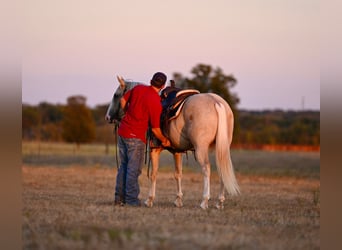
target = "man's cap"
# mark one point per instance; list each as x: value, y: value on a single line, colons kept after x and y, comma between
x: 158, y: 79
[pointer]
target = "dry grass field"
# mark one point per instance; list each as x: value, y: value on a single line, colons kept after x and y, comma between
x: 71, y: 207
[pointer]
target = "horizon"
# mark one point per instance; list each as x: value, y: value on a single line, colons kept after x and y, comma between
x: 239, y: 109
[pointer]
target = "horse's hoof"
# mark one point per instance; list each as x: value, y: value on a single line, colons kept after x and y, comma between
x: 178, y: 202
x: 204, y: 205
x: 148, y: 203
x: 219, y: 205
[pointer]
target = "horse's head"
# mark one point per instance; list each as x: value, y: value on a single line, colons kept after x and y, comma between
x: 114, y: 111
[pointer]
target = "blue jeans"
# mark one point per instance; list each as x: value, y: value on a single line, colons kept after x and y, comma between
x: 131, y: 152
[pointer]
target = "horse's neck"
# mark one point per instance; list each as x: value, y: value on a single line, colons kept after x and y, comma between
x: 131, y: 85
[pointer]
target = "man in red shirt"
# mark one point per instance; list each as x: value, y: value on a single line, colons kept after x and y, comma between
x: 142, y: 106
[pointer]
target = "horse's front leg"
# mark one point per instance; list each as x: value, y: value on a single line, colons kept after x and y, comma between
x: 178, y: 177
x: 155, y: 153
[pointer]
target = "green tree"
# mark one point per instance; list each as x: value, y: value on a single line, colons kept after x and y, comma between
x: 208, y: 80
x: 279, y: 127
x: 50, y: 113
x: 51, y: 117
x: 30, y: 121
x: 104, y: 133
x: 78, y: 124
x: 99, y: 113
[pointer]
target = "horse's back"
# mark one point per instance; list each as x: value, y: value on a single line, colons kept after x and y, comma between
x: 229, y: 114
x: 200, y: 109
x: 221, y: 100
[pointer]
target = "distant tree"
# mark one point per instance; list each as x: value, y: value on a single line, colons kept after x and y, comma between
x: 50, y: 113
x: 30, y: 121
x: 99, y: 113
x: 279, y: 127
x: 78, y: 123
x: 104, y: 133
x: 208, y: 80
x: 51, y: 117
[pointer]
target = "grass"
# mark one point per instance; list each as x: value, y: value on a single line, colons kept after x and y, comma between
x: 64, y: 149
x: 72, y: 208
x: 67, y: 202
x: 246, y: 162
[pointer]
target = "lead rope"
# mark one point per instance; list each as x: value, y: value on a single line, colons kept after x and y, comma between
x: 115, y: 132
x: 147, y: 151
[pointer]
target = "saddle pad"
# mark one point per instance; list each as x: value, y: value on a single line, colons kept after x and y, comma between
x: 178, y: 110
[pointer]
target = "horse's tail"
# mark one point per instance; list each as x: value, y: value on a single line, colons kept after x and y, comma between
x: 223, y: 140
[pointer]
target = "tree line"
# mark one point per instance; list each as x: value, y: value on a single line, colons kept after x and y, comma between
x: 279, y: 127
x: 77, y: 123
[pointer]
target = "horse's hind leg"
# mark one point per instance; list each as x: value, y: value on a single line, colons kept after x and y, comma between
x: 155, y: 164
x: 221, y: 197
x: 203, y: 160
x: 178, y: 176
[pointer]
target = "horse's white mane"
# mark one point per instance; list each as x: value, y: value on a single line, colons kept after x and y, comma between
x: 124, y: 81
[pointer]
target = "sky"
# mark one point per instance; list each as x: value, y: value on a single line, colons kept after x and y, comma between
x: 78, y: 47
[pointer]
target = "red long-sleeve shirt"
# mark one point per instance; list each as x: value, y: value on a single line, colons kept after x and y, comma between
x: 143, y: 108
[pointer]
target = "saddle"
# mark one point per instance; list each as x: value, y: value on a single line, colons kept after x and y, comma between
x: 173, y: 100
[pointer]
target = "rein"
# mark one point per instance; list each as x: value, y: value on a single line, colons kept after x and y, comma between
x: 148, y: 149
x: 115, y: 132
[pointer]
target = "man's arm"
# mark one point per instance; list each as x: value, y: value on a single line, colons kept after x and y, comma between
x: 157, y: 132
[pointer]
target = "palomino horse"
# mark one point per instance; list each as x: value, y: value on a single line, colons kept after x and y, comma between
x: 204, y: 120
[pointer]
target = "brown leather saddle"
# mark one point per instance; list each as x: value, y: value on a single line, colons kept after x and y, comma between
x: 173, y: 100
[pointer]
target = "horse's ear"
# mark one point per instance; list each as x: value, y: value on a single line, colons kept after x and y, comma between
x: 121, y: 81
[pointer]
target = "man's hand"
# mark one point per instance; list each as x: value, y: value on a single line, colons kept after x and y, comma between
x: 166, y: 143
